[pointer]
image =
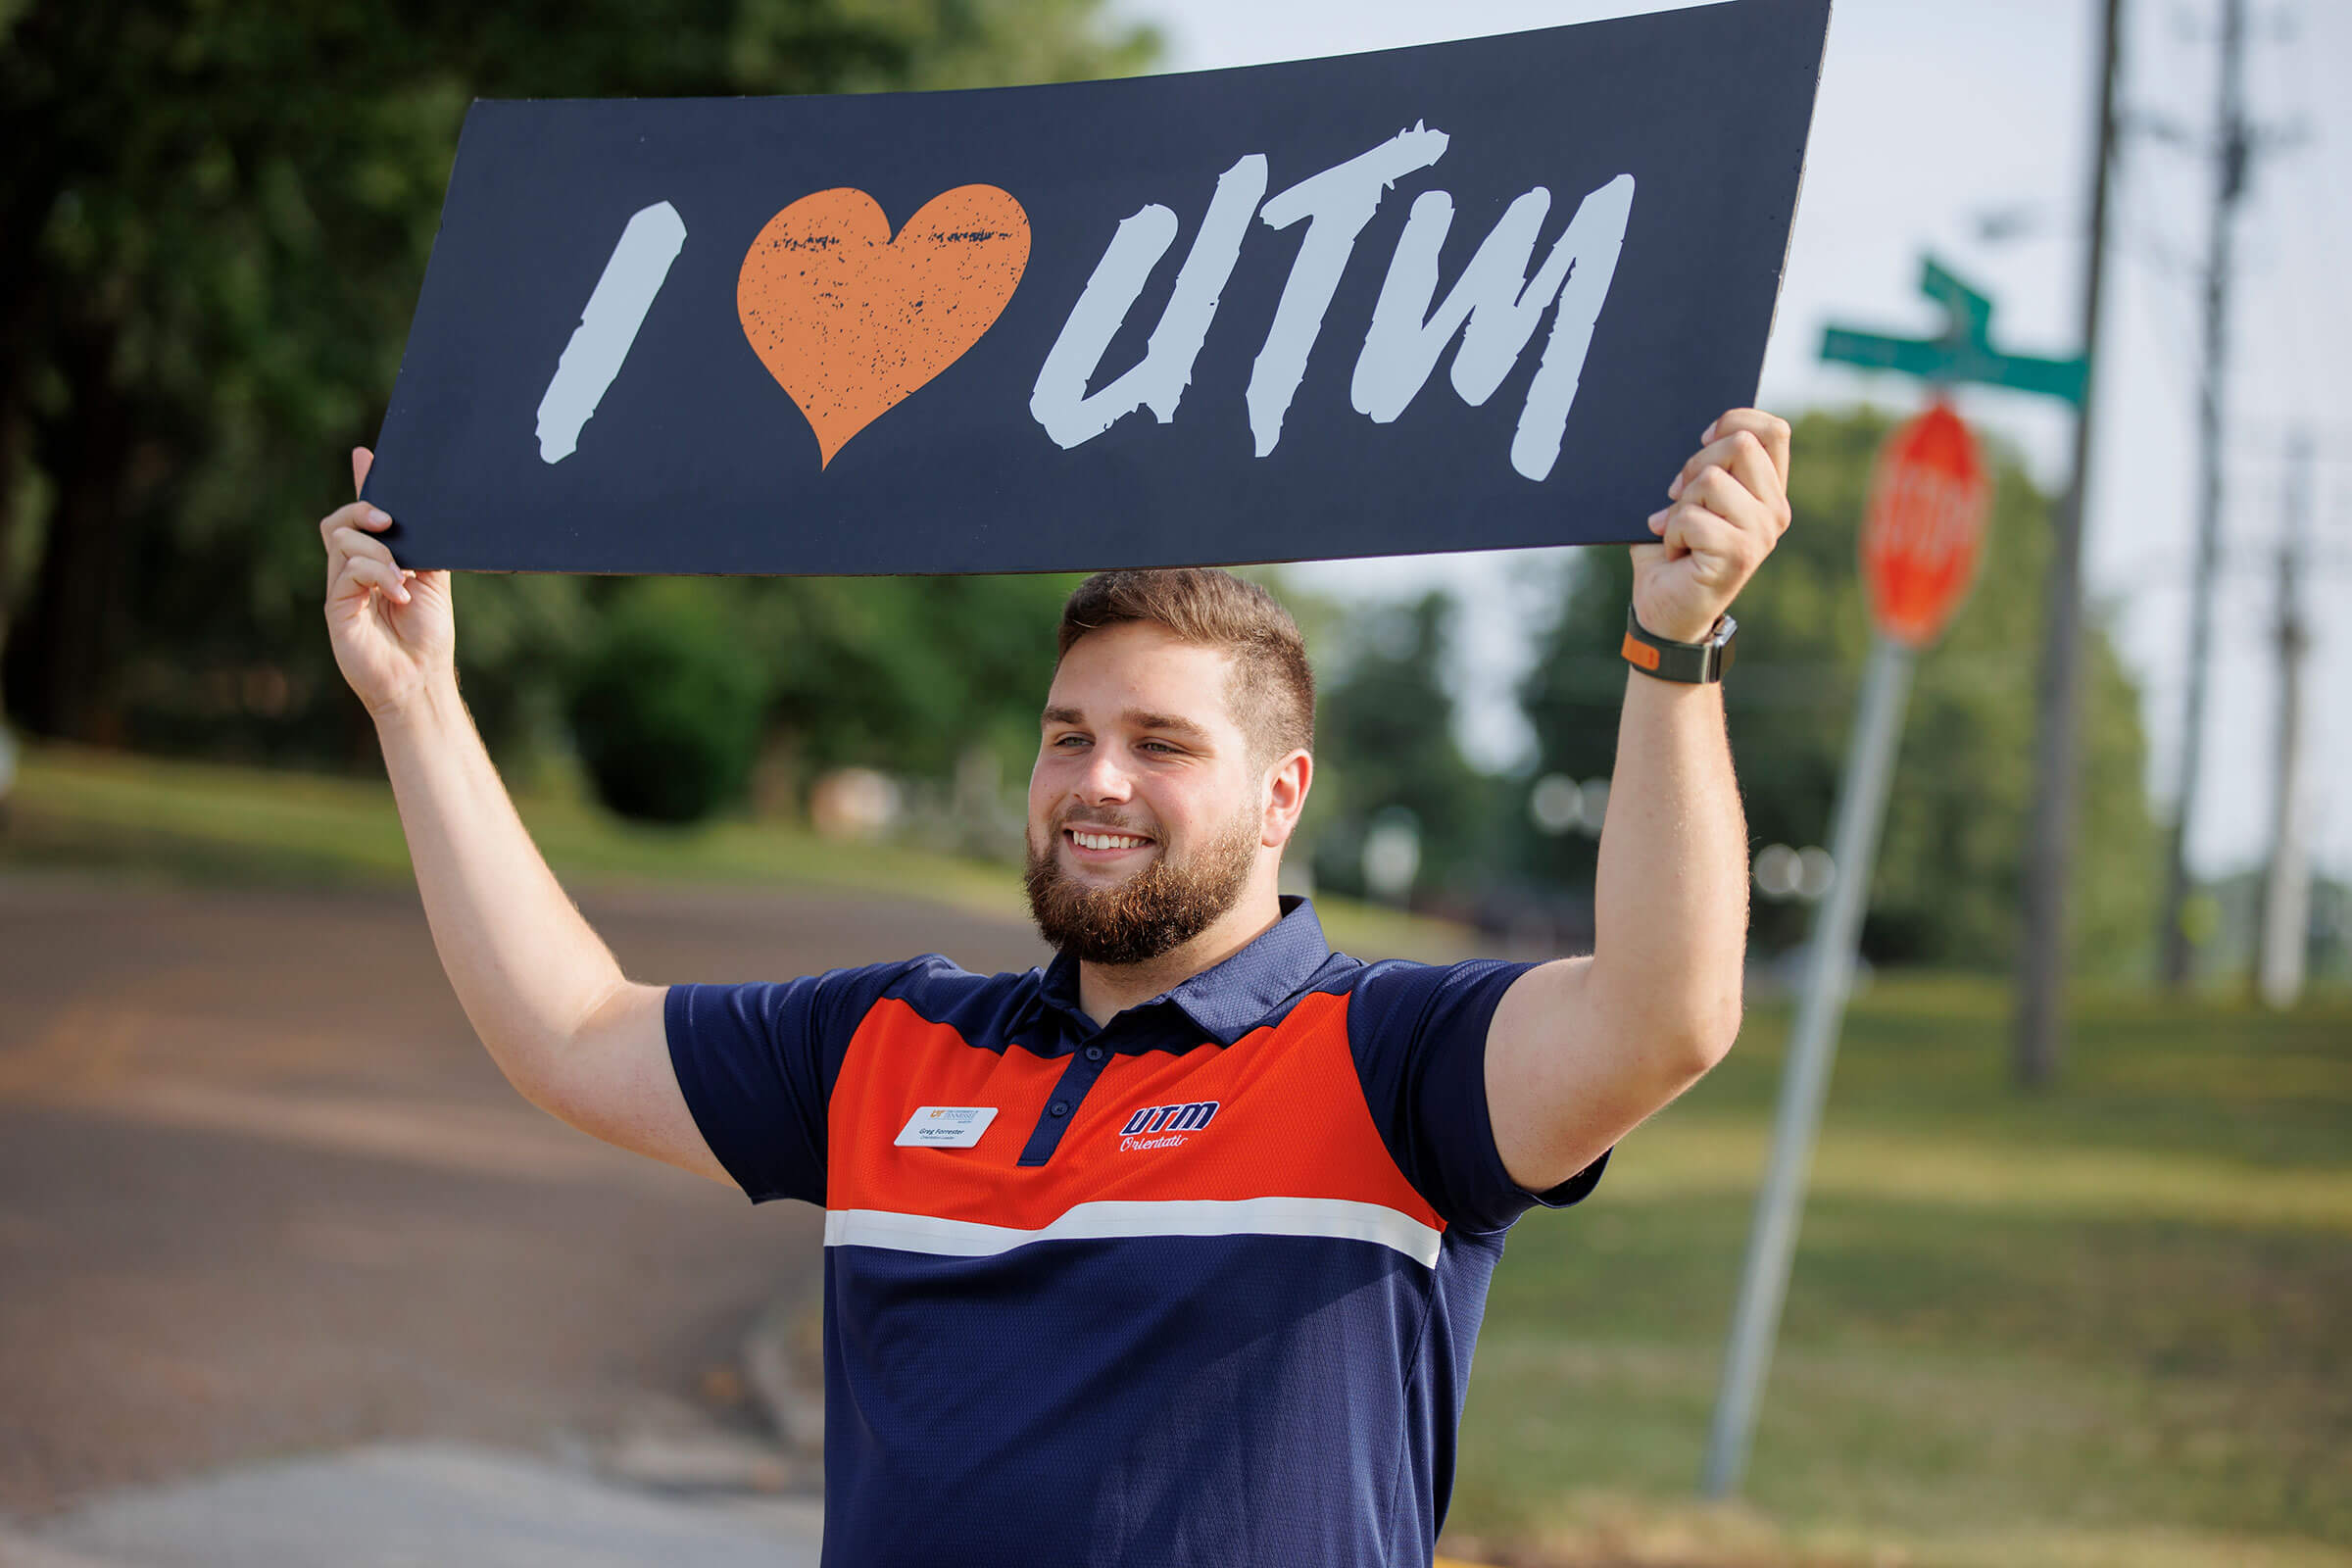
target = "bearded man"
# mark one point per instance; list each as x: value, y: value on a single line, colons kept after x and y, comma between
x: 1174, y: 1251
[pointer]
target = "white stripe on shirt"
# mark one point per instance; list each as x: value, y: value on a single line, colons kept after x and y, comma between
x: 1337, y: 1218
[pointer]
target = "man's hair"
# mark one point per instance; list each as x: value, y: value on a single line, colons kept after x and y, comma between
x: 1271, y: 689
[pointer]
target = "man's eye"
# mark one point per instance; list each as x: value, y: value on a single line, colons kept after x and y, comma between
x: 1069, y: 740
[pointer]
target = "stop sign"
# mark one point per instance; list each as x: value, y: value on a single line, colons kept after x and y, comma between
x: 1924, y: 526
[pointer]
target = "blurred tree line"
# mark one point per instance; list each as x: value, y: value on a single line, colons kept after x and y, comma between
x: 1949, y: 868
x: 214, y: 220
x: 1385, y: 739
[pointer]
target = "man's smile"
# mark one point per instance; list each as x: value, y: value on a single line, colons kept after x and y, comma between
x: 1092, y: 845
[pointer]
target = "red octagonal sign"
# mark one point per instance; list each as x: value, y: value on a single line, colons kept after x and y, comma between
x: 1924, y: 526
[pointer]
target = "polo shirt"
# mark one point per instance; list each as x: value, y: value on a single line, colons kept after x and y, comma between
x: 1203, y: 1288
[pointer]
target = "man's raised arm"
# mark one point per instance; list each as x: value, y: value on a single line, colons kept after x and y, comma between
x: 569, y: 1030
x: 1582, y: 1051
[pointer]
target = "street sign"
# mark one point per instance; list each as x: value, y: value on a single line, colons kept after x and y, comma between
x: 1964, y: 351
x: 1924, y: 527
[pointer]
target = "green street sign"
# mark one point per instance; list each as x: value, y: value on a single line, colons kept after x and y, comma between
x: 1963, y: 353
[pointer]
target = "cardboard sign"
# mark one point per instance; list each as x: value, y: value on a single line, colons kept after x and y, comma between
x: 1469, y: 296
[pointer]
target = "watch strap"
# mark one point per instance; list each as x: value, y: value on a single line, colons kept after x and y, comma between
x: 1697, y: 663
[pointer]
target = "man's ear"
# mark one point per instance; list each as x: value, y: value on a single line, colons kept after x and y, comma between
x: 1287, y: 784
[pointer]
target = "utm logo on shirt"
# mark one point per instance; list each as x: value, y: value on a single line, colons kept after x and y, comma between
x: 1171, y: 1123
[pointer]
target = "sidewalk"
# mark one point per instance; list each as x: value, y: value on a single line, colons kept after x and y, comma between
x: 407, y: 1505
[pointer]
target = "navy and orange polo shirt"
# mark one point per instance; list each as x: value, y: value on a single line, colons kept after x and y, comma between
x: 1203, y: 1288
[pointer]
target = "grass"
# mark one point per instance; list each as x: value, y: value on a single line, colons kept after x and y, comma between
x: 206, y: 822
x: 2106, y: 1323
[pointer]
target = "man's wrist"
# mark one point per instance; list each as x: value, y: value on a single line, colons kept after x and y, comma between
x: 1677, y: 632
x: 430, y: 702
x: 1697, y: 661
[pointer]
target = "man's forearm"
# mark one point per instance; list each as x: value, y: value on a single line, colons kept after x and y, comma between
x: 1670, y: 900
x: 526, y: 967
x: 1580, y: 1051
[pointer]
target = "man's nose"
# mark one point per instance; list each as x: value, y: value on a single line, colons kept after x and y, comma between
x: 1103, y: 778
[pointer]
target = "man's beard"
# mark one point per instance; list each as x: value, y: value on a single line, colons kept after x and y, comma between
x: 1151, y: 913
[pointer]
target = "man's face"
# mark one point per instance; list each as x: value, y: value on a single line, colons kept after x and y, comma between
x: 1146, y: 814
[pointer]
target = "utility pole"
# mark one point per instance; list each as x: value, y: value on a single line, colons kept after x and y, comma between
x: 2233, y: 150
x: 2051, y: 843
x: 2286, y: 893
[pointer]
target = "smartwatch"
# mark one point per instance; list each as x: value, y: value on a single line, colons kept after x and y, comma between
x: 1697, y: 663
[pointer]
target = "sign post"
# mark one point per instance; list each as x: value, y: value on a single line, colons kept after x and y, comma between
x: 1921, y: 536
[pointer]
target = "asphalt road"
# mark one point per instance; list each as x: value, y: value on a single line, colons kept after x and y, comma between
x: 262, y: 1194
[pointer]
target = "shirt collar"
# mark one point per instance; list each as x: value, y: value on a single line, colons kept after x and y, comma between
x: 1229, y: 998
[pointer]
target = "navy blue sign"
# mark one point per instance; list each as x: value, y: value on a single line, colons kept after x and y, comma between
x: 1460, y: 297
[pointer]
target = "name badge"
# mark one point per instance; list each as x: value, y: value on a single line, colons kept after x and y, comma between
x: 945, y: 1126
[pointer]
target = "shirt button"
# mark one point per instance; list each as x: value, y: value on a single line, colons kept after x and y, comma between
x: 1060, y: 1108
x: 1094, y: 1052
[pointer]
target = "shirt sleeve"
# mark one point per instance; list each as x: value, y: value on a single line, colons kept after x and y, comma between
x: 1419, y: 1034
x: 757, y: 1064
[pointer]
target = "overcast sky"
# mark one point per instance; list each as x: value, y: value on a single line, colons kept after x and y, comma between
x: 1930, y: 116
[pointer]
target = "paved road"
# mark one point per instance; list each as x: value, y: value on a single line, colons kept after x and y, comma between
x: 401, y: 1505
x: 262, y: 1196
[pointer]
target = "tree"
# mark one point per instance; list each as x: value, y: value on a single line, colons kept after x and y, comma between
x: 1385, y: 740
x: 212, y: 222
x: 667, y: 710
x: 1946, y: 883
x: 910, y: 674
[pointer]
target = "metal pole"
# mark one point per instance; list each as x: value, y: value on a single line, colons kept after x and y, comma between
x: 2230, y: 185
x: 2286, y: 894
x: 2042, y: 960
x: 1805, y: 1079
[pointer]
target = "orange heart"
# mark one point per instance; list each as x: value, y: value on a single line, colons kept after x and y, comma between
x: 850, y: 321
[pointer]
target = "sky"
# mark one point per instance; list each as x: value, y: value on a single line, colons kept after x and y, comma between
x: 1932, y: 118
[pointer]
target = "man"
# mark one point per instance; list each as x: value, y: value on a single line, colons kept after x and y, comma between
x: 1175, y: 1250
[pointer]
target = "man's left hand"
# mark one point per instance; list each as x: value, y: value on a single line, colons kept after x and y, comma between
x: 1725, y: 512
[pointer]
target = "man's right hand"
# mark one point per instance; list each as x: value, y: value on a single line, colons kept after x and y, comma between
x: 393, y: 632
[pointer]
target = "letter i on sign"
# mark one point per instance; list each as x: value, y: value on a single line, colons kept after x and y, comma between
x: 608, y: 326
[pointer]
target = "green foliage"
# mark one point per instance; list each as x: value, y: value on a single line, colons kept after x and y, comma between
x: 666, y: 711
x: 213, y: 225
x: 1950, y: 864
x: 1385, y: 741
x: 909, y: 673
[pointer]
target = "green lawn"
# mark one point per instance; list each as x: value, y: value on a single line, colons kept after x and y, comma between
x: 203, y: 821
x: 2101, y: 1326
x: 2104, y: 1325
x: 206, y: 822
